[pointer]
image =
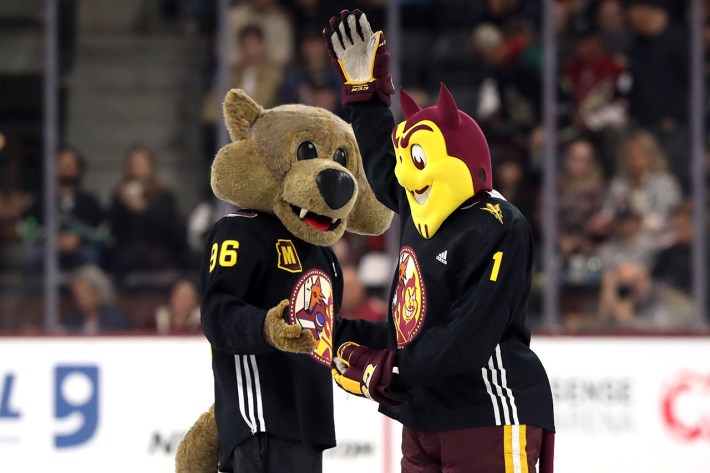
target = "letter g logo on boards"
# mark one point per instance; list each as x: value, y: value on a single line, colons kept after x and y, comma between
x: 76, y: 394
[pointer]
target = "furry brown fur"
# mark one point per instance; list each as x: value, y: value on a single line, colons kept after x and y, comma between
x: 259, y: 170
x: 201, y: 451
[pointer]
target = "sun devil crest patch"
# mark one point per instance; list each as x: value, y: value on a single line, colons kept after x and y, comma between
x: 288, y: 258
x: 409, y: 302
x: 312, y: 307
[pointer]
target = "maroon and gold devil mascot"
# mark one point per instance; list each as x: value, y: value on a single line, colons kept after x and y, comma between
x: 458, y: 373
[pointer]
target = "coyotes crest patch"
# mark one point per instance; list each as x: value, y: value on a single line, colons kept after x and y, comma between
x: 312, y: 307
x: 409, y: 301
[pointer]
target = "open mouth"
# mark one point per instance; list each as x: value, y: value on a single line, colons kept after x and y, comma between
x: 319, y: 222
x: 421, y: 195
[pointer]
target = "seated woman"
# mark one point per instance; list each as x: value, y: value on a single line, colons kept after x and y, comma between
x: 93, y: 296
x: 149, y: 234
x: 181, y: 313
x: 642, y: 185
x: 581, y: 190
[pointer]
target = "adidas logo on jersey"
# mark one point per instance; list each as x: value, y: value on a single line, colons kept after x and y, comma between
x: 441, y: 257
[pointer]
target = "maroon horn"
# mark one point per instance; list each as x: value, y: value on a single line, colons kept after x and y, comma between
x: 409, y: 106
x: 448, y: 111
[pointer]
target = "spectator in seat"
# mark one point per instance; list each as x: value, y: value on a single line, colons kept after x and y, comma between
x: 149, y: 233
x: 626, y: 297
x: 627, y: 243
x: 611, y: 21
x: 511, y: 180
x: 596, y: 82
x: 276, y: 28
x: 642, y: 185
x: 631, y: 299
x: 311, y: 75
x: 181, y: 313
x: 254, y: 73
x: 625, y: 282
x: 356, y: 303
x: 660, y: 83
x: 672, y: 273
x: 80, y: 217
x: 659, y: 66
x: 581, y: 190
x: 93, y: 296
x: 509, y: 85
x: 673, y: 265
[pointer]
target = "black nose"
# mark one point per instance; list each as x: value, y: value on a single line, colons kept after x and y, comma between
x: 336, y: 187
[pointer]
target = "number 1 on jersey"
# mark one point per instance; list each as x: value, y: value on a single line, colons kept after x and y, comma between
x: 497, y: 258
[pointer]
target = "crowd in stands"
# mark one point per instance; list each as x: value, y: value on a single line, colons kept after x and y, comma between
x: 624, y: 215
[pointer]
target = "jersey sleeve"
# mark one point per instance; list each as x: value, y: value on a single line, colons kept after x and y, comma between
x: 373, y: 123
x: 230, y: 266
x: 365, y: 332
x: 479, y: 317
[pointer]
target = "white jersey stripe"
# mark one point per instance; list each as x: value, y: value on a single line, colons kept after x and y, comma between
x: 505, y: 386
x: 499, y: 391
x: 257, y: 383
x: 496, y: 412
x: 250, y: 395
x: 240, y: 390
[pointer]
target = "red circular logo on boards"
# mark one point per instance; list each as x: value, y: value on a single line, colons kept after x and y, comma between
x: 685, y: 406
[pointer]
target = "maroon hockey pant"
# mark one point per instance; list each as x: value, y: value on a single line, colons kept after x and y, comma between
x: 498, y: 449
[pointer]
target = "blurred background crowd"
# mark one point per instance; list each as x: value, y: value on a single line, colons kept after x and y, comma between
x: 139, y: 123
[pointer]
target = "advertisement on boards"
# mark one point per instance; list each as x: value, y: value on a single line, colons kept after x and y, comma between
x: 631, y: 405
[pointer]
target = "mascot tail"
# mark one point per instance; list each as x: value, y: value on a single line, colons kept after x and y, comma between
x: 547, y: 452
x: 199, y: 450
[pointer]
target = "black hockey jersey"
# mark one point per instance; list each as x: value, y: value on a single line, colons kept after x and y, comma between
x: 458, y: 304
x: 252, y: 263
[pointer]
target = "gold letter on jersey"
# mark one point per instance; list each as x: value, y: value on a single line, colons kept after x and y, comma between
x: 288, y: 258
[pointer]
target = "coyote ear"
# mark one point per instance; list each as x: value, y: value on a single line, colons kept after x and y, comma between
x: 240, y: 113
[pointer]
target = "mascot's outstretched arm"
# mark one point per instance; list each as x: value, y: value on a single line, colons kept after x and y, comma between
x: 360, y: 58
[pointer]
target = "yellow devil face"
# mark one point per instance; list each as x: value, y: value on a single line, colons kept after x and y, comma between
x: 436, y: 183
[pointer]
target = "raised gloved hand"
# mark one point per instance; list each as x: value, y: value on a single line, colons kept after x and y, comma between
x: 284, y: 336
x: 360, y: 58
x: 366, y: 372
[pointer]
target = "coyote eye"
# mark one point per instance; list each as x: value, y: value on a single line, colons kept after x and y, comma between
x: 306, y: 150
x: 340, y: 157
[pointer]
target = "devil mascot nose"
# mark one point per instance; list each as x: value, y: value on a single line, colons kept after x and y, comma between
x: 336, y: 187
